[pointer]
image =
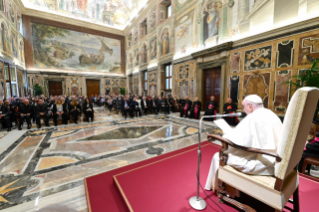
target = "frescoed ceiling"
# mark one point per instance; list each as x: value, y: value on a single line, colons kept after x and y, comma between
x: 112, y: 13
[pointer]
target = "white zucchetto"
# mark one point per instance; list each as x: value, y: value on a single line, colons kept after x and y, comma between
x: 254, y: 99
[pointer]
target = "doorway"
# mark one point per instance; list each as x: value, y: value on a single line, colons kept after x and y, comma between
x: 92, y: 87
x: 55, y: 88
x: 212, y: 85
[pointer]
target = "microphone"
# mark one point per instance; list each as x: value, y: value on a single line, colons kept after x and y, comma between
x: 223, y: 115
x: 197, y: 202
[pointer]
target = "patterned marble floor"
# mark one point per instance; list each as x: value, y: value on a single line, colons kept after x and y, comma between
x: 43, y: 170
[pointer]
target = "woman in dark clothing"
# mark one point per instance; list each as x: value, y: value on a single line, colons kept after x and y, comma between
x: 74, y: 110
x: 88, y: 110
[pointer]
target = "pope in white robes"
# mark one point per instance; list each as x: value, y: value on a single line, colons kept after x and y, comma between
x: 259, y: 129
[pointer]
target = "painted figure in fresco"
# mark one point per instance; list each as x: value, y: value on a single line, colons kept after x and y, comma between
x: 14, y: 46
x: 5, y: 38
x: 153, y: 20
x: 153, y: 90
x: 165, y: 42
x: 130, y: 61
x: 144, y: 54
x: 11, y: 13
x: 153, y: 49
x: 21, y: 52
x: 211, y: 19
x: 136, y: 57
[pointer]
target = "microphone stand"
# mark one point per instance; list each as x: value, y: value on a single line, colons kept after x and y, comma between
x: 197, y: 202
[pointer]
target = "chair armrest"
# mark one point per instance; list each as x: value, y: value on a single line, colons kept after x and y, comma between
x: 248, y: 149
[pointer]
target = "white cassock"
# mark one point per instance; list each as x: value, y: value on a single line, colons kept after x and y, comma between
x: 260, y: 129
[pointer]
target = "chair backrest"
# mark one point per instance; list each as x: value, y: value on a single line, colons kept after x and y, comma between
x: 296, y: 126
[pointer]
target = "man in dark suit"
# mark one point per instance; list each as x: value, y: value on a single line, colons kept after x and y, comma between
x: 145, y: 105
x: 126, y: 107
x: 5, y: 112
x: 135, y: 107
x: 153, y: 105
x: 39, y: 111
x: 24, y: 112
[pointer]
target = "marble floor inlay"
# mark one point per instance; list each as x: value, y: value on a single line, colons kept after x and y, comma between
x: 45, y: 168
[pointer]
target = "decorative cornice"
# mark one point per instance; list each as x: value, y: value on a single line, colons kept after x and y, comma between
x: 214, y: 63
x: 183, y: 59
x: 143, y: 67
x: 152, y: 69
x: 166, y: 59
x: 215, y: 49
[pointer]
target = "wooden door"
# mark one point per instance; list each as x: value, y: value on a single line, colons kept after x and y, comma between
x: 55, y: 88
x: 212, y: 84
x: 92, y: 87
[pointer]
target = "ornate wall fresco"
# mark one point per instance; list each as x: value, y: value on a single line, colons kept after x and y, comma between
x: 211, y: 21
x: 135, y: 84
x: 308, y: 49
x: 234, y: 62
x: 21, y: 82
x: 282, y: 91
x: 144, y: 52
x: 112, y: 86
x: 184, y: 78
x: 62, y: 49
x: 74, y: 85
x: 2, y: 81
x: 136, y: 57
x: 257, y: 84
x: 294, y: 54
x: 115, y: 13
x: 152, y: 20
x: 153, y: 48
x: 259, y: 58
x: 285, y: 53
x: 234, y: 88
x: 180, y: 4
x: 152, y: 83
x: 165, y: 40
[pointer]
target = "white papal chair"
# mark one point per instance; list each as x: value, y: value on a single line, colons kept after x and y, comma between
x: 276, y: 190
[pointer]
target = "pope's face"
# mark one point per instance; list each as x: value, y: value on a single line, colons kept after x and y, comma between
x: 247, y: 107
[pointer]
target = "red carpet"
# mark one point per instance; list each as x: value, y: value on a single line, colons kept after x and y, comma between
x: 165, y: 183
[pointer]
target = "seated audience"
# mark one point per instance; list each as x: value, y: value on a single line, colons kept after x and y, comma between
x: 5, y: 114
x: 230, y: 108
x: 186, y: 107
x: 175, y: 105
x: 311, y: 149
x: 65, y: 114
x: 88, y: 110
x: 74, y: 110
x: 25, y: 111
x: 126, y: 107
x: 145, y: 105
x: 48, y: 112
x: 195, y: 111
x: 211, y: 109
x: 135, y: 108
x: 57, y: 111
x: 39, y: 112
